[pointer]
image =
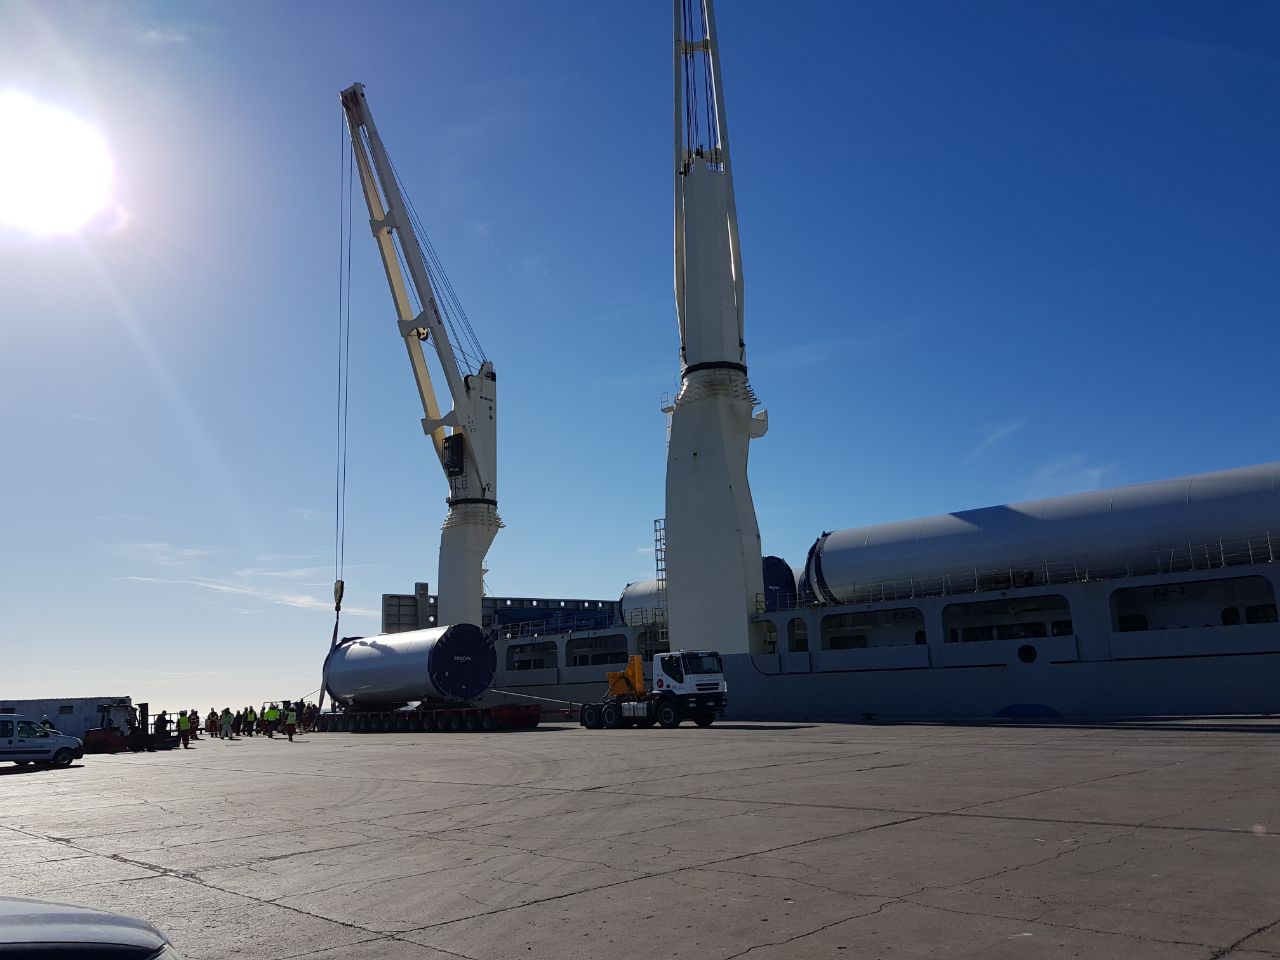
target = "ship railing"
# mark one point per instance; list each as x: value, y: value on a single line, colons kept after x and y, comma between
x: 533, y: 629
x: 646, y: 617
x: 1262, y: 548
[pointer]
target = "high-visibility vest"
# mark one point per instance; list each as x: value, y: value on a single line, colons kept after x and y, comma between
x: 291, y: 717
x: 184, y: 722
x: 273, y: 714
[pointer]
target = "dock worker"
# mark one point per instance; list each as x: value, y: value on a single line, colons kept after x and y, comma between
x: 250, y: 721
x: 273, y: 717
x: 291, y: 722
x: 184, y: 729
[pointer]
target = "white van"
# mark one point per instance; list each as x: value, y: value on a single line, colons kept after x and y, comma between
x: 24, y: 741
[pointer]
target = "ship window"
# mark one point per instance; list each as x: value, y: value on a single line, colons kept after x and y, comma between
x: 531, y: 656
x: 1187, y: 604
x: 896, y: 627
x: 6, y: 729
x: 1260, y: 613
x: 770, y: 636
x: 1014, y: 618
x: 855, y: 641
x: 921, y: 639
x: 66, y: 709
x: 797, y: 636
x: 1031, y: 630
x: 593, y: 651
x: 1131, y: 622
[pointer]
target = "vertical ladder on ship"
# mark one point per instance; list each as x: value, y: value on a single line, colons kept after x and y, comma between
x: 660, y: 570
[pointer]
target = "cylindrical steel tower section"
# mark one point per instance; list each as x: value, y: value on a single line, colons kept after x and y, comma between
x: 641, y: 602
x: 445, y: 663
x: 1087, y: 529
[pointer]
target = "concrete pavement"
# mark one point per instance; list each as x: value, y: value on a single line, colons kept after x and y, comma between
x: 775, y: 840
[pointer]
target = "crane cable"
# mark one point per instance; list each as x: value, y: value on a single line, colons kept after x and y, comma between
x: 345, y: 190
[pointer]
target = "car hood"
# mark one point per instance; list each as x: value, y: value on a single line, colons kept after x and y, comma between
x: 24, y: 921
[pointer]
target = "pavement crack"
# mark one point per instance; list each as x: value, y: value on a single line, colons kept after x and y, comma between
x: 813, y: 932
x: 1253, y: 933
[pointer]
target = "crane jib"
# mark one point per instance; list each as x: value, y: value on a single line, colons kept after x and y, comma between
x: 428, y: 311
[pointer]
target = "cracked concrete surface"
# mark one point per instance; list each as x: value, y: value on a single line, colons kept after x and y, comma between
x: 766, y: 841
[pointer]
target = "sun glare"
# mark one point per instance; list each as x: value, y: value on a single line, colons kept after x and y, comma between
x: 55, y: 169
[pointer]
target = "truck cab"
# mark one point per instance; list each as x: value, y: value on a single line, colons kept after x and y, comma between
x: 687, y: 685
x: 694, y: 680
x: 23, y: 741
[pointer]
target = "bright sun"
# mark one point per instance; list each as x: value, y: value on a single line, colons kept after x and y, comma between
x: 55, y: 169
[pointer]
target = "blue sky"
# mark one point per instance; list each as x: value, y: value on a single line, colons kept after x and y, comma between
x: 992, y: 251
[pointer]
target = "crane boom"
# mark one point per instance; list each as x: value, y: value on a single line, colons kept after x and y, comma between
x: 465, y: 437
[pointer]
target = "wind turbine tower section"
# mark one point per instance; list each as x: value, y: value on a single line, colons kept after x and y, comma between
x: 713, y: 556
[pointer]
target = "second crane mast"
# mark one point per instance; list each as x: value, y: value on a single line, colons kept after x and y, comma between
x: 464, y: 438
x: 713, y: 556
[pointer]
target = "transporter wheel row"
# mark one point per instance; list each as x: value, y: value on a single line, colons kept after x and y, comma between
x: 608, y: 716
x: 442, y: 721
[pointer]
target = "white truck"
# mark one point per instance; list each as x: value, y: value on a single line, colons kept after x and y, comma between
x: 687, y: 685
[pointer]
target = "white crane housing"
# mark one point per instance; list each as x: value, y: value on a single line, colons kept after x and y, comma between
x: 713, y: 557
x: 464, y: 438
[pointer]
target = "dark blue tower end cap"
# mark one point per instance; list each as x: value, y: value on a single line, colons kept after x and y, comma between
x: 463, y: 662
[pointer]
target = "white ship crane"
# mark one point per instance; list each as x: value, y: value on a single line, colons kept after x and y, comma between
x: 713, y: 557
x: 465, y: 437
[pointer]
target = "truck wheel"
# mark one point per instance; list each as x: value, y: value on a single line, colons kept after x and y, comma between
x: 591, y: 716
x: 668, y: 715
x: 704, y: 719
x: 62, y: 758
x: 23, y: 763
x: 611, y: 716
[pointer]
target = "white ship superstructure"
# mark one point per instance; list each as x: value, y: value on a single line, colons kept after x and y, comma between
x: 1157, y: 598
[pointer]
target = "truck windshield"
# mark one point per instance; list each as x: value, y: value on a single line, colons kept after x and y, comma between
x: 701, y: 663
